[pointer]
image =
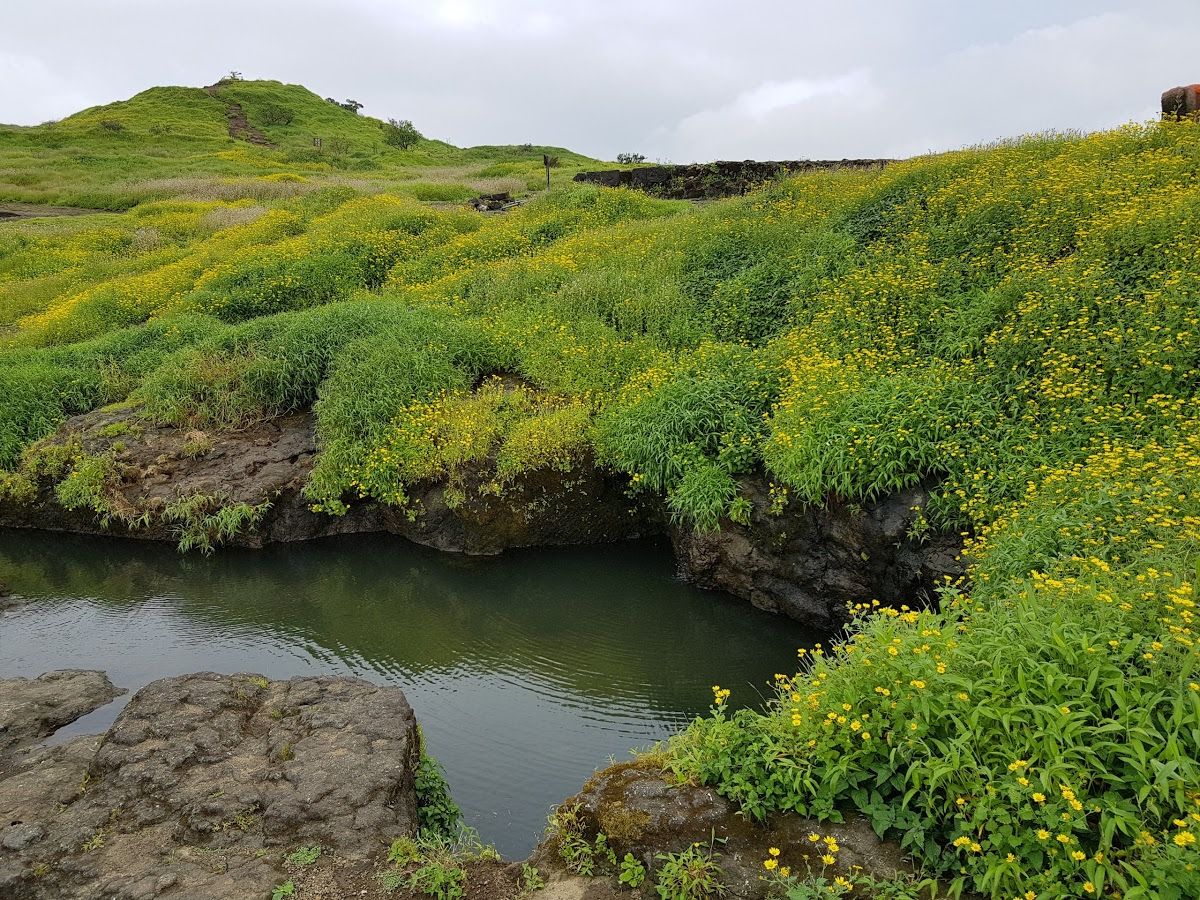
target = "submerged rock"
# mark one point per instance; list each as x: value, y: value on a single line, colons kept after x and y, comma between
x: 202, y: 785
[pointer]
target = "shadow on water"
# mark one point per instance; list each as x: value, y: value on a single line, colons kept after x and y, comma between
x: 527, y: 671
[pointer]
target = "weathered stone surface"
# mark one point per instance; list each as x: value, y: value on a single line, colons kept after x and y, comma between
x: 33, y: 708
x: 204, y: 782
x: 1181, y: 102
x: 644, y: 812
x: 808, y: 561
x: 271, y: 461
x: 716, y: 179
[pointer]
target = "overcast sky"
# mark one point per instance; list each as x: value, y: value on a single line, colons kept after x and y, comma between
x: 680, y: 81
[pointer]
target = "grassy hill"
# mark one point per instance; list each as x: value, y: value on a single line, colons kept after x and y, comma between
x: 120, y: 154
x: 1018, y: 324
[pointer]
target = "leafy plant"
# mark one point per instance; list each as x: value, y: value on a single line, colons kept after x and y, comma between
x: 85, y: 485
x: 403, y: 850
x: 531, y: 878
x: 437, y: 813
x: 689, y: 875
x: 580, y: 856
x: 287, y: 889
x: 439, y: 879
x: 303, y: 856
x: 632, y: 872
x: 204, y: 522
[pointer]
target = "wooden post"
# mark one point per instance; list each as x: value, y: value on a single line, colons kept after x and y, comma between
x: 546, y: 162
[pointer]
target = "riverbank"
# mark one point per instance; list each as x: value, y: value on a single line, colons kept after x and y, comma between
x: 114, y: 472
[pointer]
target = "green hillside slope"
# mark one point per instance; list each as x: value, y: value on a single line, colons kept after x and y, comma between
x: 120, y: 154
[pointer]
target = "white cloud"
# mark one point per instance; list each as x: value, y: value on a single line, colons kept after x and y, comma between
x: 1092, y: 72
x: 32, y: 93
x: 771, y: 96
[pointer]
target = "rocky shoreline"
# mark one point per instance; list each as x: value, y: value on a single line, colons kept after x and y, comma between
x: 198, y: 783
x: 804, y: 561
x: 229, y: 786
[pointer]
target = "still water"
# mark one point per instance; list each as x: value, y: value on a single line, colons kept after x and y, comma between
x: 526, y: 671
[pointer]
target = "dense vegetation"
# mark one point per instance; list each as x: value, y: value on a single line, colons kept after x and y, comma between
x: 1019, y: 322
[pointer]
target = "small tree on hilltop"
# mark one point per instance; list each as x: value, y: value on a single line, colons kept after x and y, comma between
x: 400, y: 133
x: 628, y: 158
x: 352, y: 105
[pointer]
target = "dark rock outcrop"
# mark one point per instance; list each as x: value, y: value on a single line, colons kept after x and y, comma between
x: 492, y: 202
x: 157, y: 465
x: 644, y: 811
x: 203, y: 783
x: 808, y: 562
x: 1181, y: 102
x: 704, y: 181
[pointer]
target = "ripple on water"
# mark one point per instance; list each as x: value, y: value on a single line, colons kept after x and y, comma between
x: 527, y: 672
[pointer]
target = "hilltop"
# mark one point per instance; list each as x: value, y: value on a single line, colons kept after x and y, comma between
x: 240, y: 139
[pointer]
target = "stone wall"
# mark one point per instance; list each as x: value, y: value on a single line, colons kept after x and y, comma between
x: 716, y: 179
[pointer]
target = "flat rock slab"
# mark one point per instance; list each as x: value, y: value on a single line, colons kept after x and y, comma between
x: 204, y: 783
x: 34, y: 708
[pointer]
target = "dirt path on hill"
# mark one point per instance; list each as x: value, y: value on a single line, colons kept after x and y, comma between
x: 239, y: 125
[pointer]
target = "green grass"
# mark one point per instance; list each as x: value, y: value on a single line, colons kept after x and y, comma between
x: 1015, y: 324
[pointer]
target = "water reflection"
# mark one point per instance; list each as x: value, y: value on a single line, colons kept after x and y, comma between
x: 526, y: 671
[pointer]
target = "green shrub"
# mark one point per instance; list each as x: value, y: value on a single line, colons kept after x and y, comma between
x: 204, y: 522
x: 688, y: 428
x: 400, y: 133
x: 85, y: 484
x: 274, y: 114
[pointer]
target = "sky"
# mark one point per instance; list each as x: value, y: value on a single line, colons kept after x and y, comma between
x: 682, y: 81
